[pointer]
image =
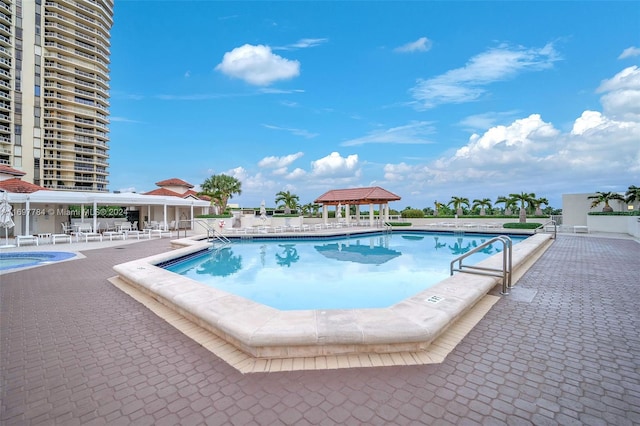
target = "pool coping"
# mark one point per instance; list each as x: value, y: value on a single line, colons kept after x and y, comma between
x: 265, y: 332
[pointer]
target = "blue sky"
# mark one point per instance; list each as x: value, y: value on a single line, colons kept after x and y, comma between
x: 428, y: 100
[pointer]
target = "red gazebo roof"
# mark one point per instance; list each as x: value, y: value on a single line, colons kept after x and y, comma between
x: 368, y: 195
x: 174, y: 182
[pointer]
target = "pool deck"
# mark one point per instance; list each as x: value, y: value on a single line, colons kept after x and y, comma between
x: 562, y: 348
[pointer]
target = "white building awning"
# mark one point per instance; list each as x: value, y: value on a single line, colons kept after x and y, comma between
x: 111, y: 199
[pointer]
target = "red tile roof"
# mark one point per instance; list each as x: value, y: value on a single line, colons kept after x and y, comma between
x: 164, y: 192
x: 16, y: 185
x: 193, y: 193
x: 369, y: 195
x: 6, y: 170
x: 174, y: 182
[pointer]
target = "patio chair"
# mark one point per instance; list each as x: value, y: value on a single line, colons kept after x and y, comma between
x: 66, y: 229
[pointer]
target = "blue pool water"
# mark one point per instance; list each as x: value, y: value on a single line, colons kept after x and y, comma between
x: 26, y: 259
x: 367, y: 271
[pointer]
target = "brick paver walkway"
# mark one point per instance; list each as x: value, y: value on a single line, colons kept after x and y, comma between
x: 562, y: 349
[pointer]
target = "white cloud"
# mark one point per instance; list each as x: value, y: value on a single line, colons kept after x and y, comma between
x: 279, y: 162
x: 412, y: 133
x: 622, y: 95
x: 257, y: 65
x: 531, y: 155
x: 630, y: 52
x: 485, y: 120
x: 296, y: 174
x: 467, y: 84
x: 335, y: 166
x: 422, y: 44
x: 297, y: 132
x: 303, y: 43
x: 503, y: 144
x: 128, y: 189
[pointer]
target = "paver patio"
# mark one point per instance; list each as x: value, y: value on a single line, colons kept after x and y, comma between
x: 563, y: 348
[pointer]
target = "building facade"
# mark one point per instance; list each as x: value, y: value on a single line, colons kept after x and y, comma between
x: 54, y: 91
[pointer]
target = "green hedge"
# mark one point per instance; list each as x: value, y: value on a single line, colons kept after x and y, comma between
x: 214, y: 216
x: 399, y: 223
x: 412, y: 213
x: 517, y: 225
x: 629, y: 213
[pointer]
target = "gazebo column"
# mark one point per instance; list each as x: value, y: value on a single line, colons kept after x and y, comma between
x: 325, y: 213
x: 358, y: 214
x: 371, y: 214
x: 347, y: 213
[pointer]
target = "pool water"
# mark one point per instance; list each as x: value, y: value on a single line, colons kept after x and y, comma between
x: 368, y: 271
x: 26, y: 259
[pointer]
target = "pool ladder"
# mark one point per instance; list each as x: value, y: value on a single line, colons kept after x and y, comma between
x: 212, y: 234
x: 504, y: 272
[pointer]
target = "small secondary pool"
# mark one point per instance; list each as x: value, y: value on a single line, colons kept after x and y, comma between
x: 27, y: 259
x: 363, y: 271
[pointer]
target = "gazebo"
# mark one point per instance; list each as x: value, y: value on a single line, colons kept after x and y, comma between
x: 357, y: 196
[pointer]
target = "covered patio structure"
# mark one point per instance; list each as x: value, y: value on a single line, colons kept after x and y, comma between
x: 358, y: 197
x: 44, y: 211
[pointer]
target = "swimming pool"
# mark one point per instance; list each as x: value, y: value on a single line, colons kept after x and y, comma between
x: 17, y: 260
x: 356, y: 272
x: 267, y: 333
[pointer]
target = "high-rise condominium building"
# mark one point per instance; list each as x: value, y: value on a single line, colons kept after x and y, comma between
x: 54, y: 91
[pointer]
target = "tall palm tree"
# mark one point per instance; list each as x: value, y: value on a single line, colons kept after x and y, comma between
x: 438, y: 207
x: 220, y: 188
x: 632, y: 195
x: 538, y: 202
x: 604, y: 197
x: 484, y: 204
x: 509, y: 203
x: 287, y: 200
x: 457, y: 203
x: 525, y: 199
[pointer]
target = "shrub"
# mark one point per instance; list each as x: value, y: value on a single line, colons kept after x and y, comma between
x: 399, y: 223
x: 515, y: 225
x: 412, y: 213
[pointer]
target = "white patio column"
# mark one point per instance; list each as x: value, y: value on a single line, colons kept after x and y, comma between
x: 358, y: 214
x: 371, y: 214
x: 164, y: 214
x: 325, y: 213
x: 95, y: 216
x: 192, y: 215
x: 347, y: 213
x: 26, y: 216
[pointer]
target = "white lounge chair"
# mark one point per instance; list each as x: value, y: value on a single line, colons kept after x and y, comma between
x: 85, y: 231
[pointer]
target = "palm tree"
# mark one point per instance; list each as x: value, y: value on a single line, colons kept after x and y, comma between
x: 221, y: 188
x: 539, y: 202
x: 525, y: 199
x: 509, y: 203
x: 438, y: 207
x: 604, y: 197
x: 457, y: 203
x: 288, y: 200
x: 632, y: 195
x: 485, y: 203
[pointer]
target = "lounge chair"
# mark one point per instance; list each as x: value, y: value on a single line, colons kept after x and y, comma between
x: 27, y: 239
x: 63, y: 237
x: 86, y: 232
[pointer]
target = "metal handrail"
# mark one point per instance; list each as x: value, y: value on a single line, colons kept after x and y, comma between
x: 212, y: 232
x: 507, y: 262
x: 543, y: 227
